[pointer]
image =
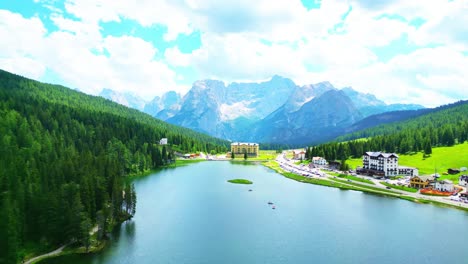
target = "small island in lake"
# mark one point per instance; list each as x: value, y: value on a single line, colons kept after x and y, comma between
x: 240, y: 181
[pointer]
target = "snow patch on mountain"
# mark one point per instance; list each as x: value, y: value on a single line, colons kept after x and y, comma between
x: 235, y: 110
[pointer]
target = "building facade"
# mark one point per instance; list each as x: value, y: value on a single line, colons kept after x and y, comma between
x: 384, y: 164
x: 444, y: 186
x: 239, y: 148
x: 299, y: 154
x: 463, y: 180
x: 421, y: 182
x: 319, y: 161
x: 408, y: 171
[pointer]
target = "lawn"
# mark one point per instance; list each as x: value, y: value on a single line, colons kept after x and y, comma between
x: 364, y: 186
x: 263, y: 155
x: 351, y: 177
x: 240, y: 181
x: 353, y: 163
x: 398, y: 187
x: 441, y: 159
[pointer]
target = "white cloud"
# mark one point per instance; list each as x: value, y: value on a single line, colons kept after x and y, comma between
x: 250, y: 41
x: 76, y: 54
x: 17, y: 35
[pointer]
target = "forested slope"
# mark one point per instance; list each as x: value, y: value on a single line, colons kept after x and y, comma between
x: 445, y: 127
x: 64, y: 160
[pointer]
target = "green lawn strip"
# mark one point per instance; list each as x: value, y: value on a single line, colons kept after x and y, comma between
x: 398, y: 187
x: 263, y: 155
x: 338, y: 184
x: 181, y: 162
x: 424, y: 201
x: 240, y: 181
x: 364, y: 186
x: 351, y: 177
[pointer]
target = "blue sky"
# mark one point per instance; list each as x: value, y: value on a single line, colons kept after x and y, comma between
x: 401, y: 51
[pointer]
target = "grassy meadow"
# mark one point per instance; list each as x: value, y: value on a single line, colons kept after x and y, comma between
x: 441, y: 159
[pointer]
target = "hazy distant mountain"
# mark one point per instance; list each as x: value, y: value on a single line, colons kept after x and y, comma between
x: 126, y: 98
x: 164, y: 107
x: 369, y: 105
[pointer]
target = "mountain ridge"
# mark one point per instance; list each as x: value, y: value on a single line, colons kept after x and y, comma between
x: 238, y: 110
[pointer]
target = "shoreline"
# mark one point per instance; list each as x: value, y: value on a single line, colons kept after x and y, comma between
x: 344, y: 186
x: 68, y: 249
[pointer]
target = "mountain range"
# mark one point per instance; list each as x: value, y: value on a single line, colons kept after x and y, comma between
x: 274, y: 111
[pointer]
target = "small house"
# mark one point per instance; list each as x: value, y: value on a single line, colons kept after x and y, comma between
x: 299, y: 154
x: 444, y: 186
x: 463, y: 180
x: 421, y: 182
x: 163, y: 141
x: 319, y: 161
x: 453, y: 171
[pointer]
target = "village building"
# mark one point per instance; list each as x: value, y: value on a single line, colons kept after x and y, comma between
x: 463, y: 180
x: 319, y: 161
x: 453, y: 171
x: 444, y: 186
x: 421, y: 182
x: 298, y: 154
x: 163, y: 141
x: 407, y: 171
x: 384, y: 164
x: 239, y: 148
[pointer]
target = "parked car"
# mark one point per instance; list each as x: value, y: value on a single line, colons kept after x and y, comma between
x: 388, y: 187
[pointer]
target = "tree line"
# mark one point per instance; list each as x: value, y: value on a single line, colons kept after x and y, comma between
x: 65, y: 158
x: 444, y: 128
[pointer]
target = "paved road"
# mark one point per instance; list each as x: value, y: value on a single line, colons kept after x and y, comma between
x: 289, y: 166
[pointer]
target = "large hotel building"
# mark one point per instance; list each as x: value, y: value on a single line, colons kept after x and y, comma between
x: 239, y: 148
x: 384, y: 164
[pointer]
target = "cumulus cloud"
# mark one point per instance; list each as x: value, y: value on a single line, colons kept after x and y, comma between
x: 250, y: 41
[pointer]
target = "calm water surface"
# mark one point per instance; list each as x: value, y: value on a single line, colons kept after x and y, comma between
x: 192, y: 215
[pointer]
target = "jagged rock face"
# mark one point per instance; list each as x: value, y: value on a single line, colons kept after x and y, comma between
x: 226, y: 111
x: 277, y: 111
x: 321, y: 118
x: 164, y: 107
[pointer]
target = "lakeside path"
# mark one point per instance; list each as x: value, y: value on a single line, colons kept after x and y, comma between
x: 289, y: 166
x: 47, y: 255
x: 55, y: 252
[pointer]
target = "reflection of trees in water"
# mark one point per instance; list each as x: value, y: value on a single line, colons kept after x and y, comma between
x: 129, y: 228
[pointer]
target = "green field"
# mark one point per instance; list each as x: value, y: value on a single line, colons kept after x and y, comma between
x: 398, y: 187
x: 240, y: 181
x: 441, y: 159
x: 364, y: 186
x: 263, y: 155
x: 350, y: 177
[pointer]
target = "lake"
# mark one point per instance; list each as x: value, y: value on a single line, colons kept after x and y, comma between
x: 190, y: 214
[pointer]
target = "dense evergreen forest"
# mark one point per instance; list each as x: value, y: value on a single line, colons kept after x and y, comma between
x: 65, y: 158
x: 446, y: 127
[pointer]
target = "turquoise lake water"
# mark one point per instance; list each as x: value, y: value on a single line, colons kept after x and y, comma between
x: 190, y: 214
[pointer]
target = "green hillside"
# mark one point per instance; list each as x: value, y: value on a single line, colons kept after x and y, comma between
x: 441, y: 159
x: 446, y: 127
x: 445, y: 115
x: 65, y: 158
